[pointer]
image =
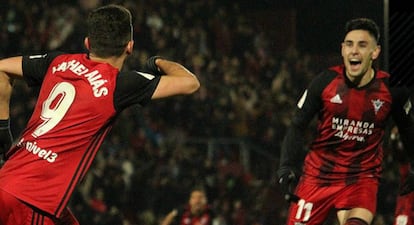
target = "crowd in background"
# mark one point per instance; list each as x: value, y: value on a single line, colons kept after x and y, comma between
x: 145, y: 167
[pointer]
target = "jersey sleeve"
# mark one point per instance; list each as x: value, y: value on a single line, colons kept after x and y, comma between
x: 134, y: 87
x: 35, y: 67
x: 293, y: 145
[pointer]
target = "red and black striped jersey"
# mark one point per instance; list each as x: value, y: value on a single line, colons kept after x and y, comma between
x: 350, y: 127
x: 77, y: 104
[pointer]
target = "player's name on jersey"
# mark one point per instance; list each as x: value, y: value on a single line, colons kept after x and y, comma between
x: 94, y: 77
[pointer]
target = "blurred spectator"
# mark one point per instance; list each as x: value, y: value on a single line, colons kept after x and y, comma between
x: 195, y: 212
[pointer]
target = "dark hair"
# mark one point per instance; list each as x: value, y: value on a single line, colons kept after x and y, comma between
x: 363, y: 24
x: 109, y: 30
x: 199, y: 188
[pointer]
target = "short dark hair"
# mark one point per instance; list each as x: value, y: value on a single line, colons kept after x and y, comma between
x: 109, y: 30
x: 199, y: 189
x: 363, y: 24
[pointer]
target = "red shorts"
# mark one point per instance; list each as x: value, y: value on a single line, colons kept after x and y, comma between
x: 15, y: 212
x: 404, y: 210
x: 317, y: 202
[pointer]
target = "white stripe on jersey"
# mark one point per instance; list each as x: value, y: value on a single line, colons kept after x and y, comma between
x: 146, y: 75
x: 302, y: 99
x: 37, y: 56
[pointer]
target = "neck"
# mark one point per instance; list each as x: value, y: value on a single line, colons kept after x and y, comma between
x: 363, y: 80
x: 114, y: 61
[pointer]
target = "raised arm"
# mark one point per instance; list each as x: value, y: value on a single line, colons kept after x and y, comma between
x: 5, y: 94
x: 6, y: 86
x: 177, y: 79
x: 12, y: 66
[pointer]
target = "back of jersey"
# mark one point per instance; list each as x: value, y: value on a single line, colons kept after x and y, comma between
x: 71, y: 118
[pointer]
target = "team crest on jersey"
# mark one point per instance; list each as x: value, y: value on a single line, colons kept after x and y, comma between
x: 377, y: 103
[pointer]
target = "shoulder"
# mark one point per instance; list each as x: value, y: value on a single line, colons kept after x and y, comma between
x: 134, y: 79
x: 49, y: 56
x: 322, y: 80
x: 334, y: 71
x: 327, y: 75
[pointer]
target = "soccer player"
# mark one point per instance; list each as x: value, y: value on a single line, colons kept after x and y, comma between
x: 80, y: 97
x: 353, y: 102
x: 196, y: 212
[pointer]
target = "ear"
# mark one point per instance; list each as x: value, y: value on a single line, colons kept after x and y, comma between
x: 130, y: 47
x: 376, y: 52
x: 343, y: 49
x: 87, y: 44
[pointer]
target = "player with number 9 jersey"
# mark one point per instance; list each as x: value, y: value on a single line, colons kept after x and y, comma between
x: 78, y: 100
x: 80, y: 97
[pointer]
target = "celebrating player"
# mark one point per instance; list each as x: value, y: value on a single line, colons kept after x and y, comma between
x: 353, y: 102
x: 80, y: 96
